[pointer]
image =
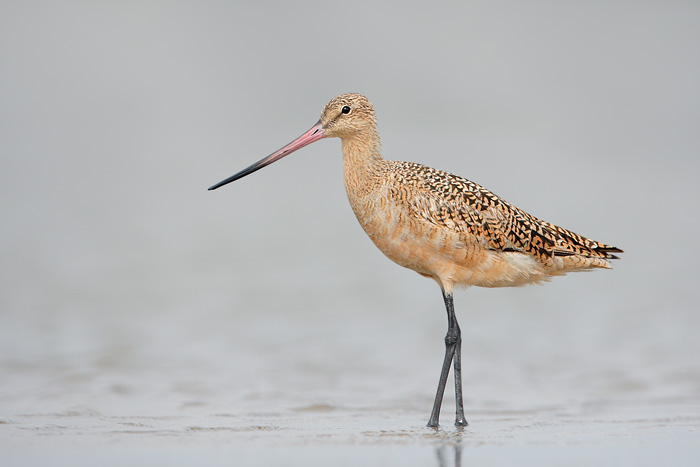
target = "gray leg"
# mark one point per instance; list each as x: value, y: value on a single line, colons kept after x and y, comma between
x: 453, y: 346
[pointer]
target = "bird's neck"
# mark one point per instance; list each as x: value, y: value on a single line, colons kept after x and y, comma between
x: 363, y: 169
x: 361, y: 154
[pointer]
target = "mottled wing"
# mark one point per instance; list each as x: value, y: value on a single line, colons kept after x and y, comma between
x: 459, y: 204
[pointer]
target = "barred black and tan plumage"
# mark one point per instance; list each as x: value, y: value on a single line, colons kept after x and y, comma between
x: 444, y: 226
x: 440, y: 225
x: 456, y: 203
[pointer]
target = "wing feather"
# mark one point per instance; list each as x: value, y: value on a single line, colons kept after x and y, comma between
x: 456, y: 203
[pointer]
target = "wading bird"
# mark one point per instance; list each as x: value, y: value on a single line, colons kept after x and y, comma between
x: 440, y: 225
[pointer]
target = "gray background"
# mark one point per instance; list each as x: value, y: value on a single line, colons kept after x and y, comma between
x: 132, y: 297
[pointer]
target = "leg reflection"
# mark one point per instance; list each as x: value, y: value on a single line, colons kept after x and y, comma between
x: 443, y: 452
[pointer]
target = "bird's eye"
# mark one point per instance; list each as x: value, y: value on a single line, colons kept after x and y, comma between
x: 345, y: 110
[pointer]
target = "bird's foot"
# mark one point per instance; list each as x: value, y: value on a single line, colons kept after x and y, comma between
x: 461, y: 423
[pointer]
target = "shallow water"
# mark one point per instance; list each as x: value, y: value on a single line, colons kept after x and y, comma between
x: 325, y: 434
x: 146, y: 320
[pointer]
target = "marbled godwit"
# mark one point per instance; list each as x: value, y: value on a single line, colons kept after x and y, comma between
x: 440, y: 225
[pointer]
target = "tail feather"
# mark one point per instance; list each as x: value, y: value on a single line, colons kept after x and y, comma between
x: 568, y: 243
